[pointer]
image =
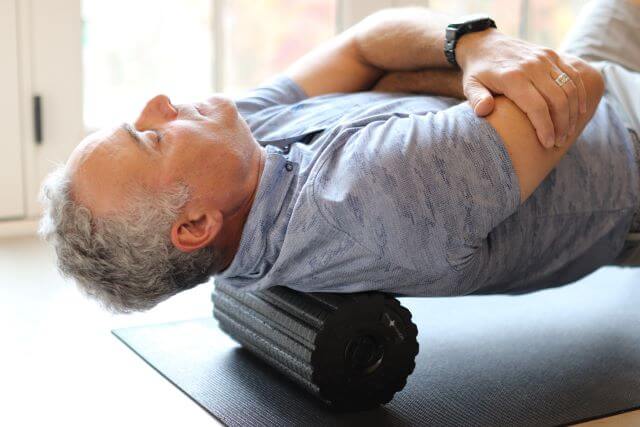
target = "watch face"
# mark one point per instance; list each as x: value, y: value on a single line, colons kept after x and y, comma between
x: 450, y: 33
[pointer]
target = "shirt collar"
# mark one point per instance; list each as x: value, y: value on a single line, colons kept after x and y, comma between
x: 267, y: 208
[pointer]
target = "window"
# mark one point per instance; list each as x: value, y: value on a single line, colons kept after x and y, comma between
x: 548, y: 21
x: 262, y: 37
x: 544, y: 22
x: 135, y: 49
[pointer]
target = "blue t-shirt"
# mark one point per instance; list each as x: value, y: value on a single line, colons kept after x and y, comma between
x: 415, y: 195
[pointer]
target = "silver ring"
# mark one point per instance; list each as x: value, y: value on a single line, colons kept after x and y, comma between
x: 562, y: 79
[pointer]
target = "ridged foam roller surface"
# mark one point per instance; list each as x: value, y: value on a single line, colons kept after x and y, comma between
x: 353, y: 351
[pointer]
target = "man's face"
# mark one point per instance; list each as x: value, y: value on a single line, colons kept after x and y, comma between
x: 205, y: 145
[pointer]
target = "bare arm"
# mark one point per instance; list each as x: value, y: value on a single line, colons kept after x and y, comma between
x: 389, y: 40
x: 354, y: 60
x: 433, y: 81
x: 407, y: 43
x: 492, y: 63
x: 532, y: 163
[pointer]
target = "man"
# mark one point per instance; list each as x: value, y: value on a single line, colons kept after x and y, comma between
x: 358, y: 190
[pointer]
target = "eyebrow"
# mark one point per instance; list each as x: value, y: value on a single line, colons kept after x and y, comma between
x: 129, y: 129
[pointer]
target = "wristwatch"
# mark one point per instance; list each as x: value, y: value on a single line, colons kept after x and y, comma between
x: 464, y: 25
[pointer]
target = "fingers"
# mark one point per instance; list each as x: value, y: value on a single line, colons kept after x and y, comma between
x: 528, y: 98
x: 558, y: 104
x: 479, y: 97
x: 484, y: 107
x: 563, y: 102
x: 570, y: 90
x: 526, y: 74
x: 576, y: 78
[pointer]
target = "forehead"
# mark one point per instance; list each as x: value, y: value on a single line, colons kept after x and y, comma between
x: 97, y: 143
x: 103, y: 168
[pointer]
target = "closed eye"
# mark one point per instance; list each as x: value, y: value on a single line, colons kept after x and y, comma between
x: 157, y: 134
x: 151, y: 140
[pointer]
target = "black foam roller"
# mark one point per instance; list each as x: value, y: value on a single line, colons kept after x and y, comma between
x: 353, y: 351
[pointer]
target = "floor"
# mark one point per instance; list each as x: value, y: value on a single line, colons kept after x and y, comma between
x: 61, y: 365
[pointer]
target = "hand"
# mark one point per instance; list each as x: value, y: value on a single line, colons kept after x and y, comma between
x: 493, y: 63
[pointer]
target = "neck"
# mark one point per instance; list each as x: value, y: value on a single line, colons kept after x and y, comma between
x: 230, y: 237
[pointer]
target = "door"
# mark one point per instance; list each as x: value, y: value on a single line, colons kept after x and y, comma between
x: 11, y: 172
x: 50, y: 35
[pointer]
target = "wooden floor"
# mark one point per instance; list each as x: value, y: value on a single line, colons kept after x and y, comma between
x: 61, y: 366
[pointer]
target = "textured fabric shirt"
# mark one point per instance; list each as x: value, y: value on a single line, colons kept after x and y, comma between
x: 415, y: 195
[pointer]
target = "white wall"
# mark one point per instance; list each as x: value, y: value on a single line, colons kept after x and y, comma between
x: 11, y: 172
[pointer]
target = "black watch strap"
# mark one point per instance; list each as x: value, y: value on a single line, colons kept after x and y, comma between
x: 465, y: 25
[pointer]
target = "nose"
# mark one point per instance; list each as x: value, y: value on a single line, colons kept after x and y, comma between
x: 158, y: 111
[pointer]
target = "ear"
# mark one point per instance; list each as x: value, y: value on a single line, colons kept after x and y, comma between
x: 196, y: 230
x: 157, y: 111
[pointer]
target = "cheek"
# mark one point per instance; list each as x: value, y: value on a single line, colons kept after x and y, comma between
x: 164, y: 176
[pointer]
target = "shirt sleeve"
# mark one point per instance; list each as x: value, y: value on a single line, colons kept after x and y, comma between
x: 279, y: 91
x: 422, y: 190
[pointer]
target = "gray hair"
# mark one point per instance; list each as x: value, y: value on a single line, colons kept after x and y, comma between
x: 125, y: 261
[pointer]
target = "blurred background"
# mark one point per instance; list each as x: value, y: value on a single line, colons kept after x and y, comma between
x: 68, y: 67
x: 71, y: 66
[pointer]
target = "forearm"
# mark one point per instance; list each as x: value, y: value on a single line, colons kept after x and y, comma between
x: 412, y: 39
x: 433, y: 81
x: 402, y: 39
x: 389, y: 40
x: 531, y: 162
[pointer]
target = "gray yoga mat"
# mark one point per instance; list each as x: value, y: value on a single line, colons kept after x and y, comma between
x: 549, y: 358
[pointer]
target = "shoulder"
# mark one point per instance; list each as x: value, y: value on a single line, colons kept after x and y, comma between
x: 281, y: 90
